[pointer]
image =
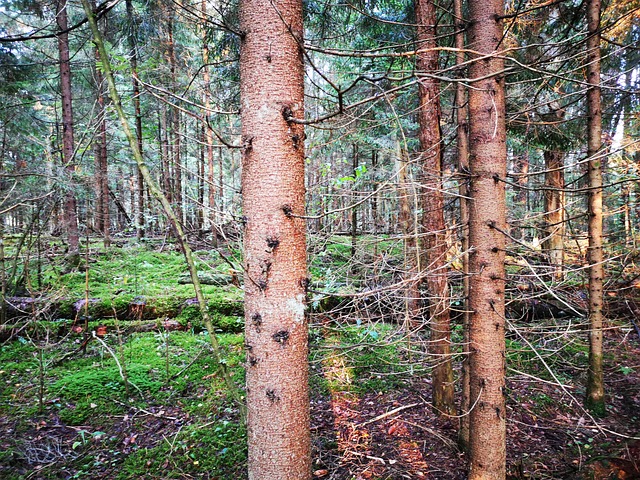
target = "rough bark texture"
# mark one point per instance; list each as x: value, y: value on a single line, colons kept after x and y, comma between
x: 68, y: 147
x: 462, y: 139
x: 487, y: 221
x: 432, y: 199
x: 271, y: 88
x: 554, y: 210
x: 595, y: 378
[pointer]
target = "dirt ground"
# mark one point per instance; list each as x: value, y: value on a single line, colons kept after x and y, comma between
x: 392, y: 435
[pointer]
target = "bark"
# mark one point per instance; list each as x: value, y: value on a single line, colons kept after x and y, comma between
x: 432, y: 200
x: 411, y: 258
x: 462, y: 138
x: 101, y: 160
x: 354, y: 199
x: 595, y: 400
x: 209, y: 133
x: 375, y: 216
x: 174, y: 117
x: 554, y: 211
x: 487, y: 221
x: 133, y: 47
x: 271, y: 89
x: 68, y: 144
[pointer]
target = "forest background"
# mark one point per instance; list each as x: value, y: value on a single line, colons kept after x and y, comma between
x: 96, y: 295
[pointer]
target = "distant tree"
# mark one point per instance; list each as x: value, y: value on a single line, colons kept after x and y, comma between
x: 434, y: 248
x: 68, y: 142
x: 272, y: 97
x: 487, y: 227
x: 595, y: 400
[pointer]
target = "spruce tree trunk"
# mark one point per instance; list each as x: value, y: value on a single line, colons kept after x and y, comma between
x: 554, y: 211
x: 208, y: 133
x: 595, y: 400
x: 272, y: 93
x: 462, y: 139
x: 68, y: 145
x: 487, y: 221
x: 133, y: 46
x: 354, y: 200
x: 101, y: 157
x: 434, y: 249
x: 406, y: 221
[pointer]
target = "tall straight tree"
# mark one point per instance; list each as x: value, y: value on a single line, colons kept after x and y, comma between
x: 133, y: 47
x: 595, y: 377
x: 272, y: 96
x: 432, y: 200
x: 487, y: 222
x: 68, y: 144
x: 462, y: 147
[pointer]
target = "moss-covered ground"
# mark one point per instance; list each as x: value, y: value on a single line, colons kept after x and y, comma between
x: 150, y: 402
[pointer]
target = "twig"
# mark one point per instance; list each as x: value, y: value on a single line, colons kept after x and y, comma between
x: 389, y: 413
x: 144, y: 411
x: 112, y: 353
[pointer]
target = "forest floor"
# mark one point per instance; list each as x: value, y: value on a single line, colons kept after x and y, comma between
x: 66, y: 411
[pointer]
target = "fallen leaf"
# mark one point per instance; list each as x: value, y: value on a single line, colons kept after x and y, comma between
x: 320, y: 473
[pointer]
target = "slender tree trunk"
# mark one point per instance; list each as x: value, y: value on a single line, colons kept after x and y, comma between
x: 407, y: 225
x: 174, y: 118
x: 554, y: 211
x: 462, y: 139
x: 272, y: 93
x: 595, y: 400
x: 354, y: 199
x: 101, y: 158
x: 209, y: 133
x: 68, y: 144
x: 487, y: 222
x: 133, y: 47
x: 432, y: 200
x: 201, y: 174
x: 375, y: 216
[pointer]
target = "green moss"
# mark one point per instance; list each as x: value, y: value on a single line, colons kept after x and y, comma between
x: 216, y: 451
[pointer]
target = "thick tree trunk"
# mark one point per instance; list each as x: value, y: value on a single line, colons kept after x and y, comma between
x: 554, y: 211
x: 595, y: 400
x: 487, y: 222
x: 434, y: 249
x: 68, y: 145
x: 272, y: 94
x: 462, y: 139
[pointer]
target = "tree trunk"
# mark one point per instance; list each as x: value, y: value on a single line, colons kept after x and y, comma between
x: 595, y: 400
x: 487, y: 222
x: 354, y: 200
x: 101, y: 160
x: 554, y: 211
x: 68, y: 144
x: 209, y: 133
x: 462, y: 138
x: 133, y: 46
x: 272, y: 94
x: 434, y: 250
x: 406, y: 221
